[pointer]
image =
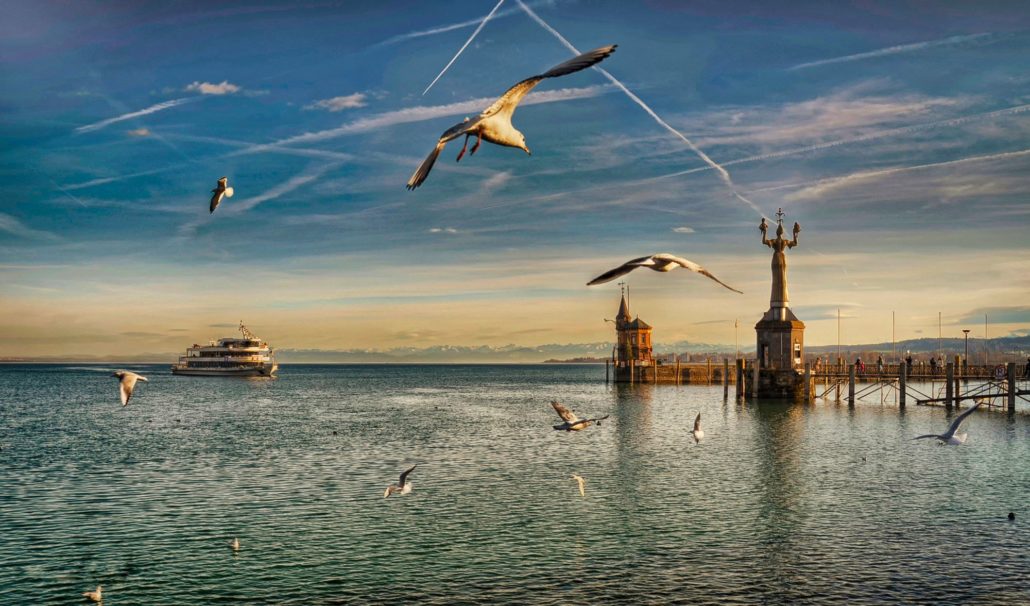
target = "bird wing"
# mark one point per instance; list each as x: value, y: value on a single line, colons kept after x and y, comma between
x: 217, y: 199
x: 697, y: 422
x: 127, y: 384
x: 958, y: 421
x: 693, y: 267
x: 580, y: 481
x: 621, y: 270
x: 427, y: 165
x: 929, y: 435
x: 404, y: 476
x: 510, y: 99
x: 566, y: 415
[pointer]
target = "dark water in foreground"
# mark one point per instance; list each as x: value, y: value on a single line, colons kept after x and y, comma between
x: 779, y: 504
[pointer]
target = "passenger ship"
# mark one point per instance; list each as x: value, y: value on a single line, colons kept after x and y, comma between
x: 230, y: 357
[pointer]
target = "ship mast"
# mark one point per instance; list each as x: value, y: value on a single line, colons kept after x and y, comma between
x: 246, y: 333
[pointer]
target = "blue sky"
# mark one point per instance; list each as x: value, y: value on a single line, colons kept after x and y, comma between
x: 895, y: 133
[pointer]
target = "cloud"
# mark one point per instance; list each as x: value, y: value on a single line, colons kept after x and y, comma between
x: 143, y: 112
x: 421, y: 113
x: 14, y: 227
x: 442, y: 230
x: 206, y: 88
x: 138, y: 132
x: 683, y: 229
x: 818, y: 190
x: 337, y: 104
x: 902, y: 48
x: 997, y: 315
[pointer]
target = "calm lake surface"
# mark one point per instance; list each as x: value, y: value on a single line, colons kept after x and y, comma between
x: 779, y: 504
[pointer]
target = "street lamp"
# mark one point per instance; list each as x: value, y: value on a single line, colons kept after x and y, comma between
x: 966, y: 360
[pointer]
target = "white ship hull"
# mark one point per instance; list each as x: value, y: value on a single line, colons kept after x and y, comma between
x: 262, y: 371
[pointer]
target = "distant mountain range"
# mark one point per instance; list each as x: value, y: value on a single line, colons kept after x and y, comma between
x: 556, y: 352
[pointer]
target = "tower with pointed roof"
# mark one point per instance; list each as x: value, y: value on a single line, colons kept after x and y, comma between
x: 633, y: 337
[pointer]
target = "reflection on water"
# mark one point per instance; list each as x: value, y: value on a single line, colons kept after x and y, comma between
x: 779, y: 504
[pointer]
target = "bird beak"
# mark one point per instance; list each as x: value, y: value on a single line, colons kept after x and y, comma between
x: 526, y: 149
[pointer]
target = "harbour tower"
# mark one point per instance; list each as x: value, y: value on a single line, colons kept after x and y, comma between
x: 780, y: 334
x: 633, y: 343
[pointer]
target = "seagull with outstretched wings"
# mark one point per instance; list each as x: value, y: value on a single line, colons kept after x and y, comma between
x: 127, y: 383
x: 494, y: 123
x: 571, y: 421
x: 402, y: 487
x: 663, y: 262
x: 950, y: 436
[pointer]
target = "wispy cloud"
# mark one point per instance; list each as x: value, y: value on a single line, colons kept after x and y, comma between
x: 443, y: 230
x: 722, y: 172
x: 337, y: 104
x: 283, y: 188
x: 902, y: 48
x: 683, y: 229
x: 420, y: 113
x: 11, y: 225
x: 138, y: 132
x: 464, y: 46
x: 815, y: 190
x: 143, y: 112
x: 207, y: 88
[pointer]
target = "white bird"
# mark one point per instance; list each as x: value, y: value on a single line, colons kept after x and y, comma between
x: 235, y: 544
x: 697, y: 433
x: 220, y: 191
x: 572, y: 422
x: 950, y: 437
x: 96, y: 596
x: 494, y: 123
x: 127, y: 383
x: 402, y: 487
x: 658, y: 262
x: 579, y: 480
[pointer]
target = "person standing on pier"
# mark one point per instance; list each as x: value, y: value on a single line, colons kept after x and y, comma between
x: 1026, y: 372
x: 879, y: 364
x: 908, y: 363
x: 933, y: 365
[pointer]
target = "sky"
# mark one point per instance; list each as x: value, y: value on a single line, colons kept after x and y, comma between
x: 896, y: 133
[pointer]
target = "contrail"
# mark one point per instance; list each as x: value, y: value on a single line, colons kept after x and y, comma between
x: 904, y: 130
x: 834, y: 181
x: 464, y: 46
x: 893, y: 50
x: 149, y: 110
x: 723, y: 174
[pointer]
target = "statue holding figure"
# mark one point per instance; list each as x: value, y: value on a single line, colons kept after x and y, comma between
x: 779, y: 297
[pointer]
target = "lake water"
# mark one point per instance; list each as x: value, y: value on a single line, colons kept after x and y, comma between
x: 779, y: 504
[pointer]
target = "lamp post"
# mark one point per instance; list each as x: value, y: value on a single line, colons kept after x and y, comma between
x: 965, y: 361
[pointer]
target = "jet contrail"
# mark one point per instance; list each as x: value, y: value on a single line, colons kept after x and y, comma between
x: 904, y: 130
x: 893, y: 50
x: 723, y: 174
x: 464, y: 46
x: 149, y: 110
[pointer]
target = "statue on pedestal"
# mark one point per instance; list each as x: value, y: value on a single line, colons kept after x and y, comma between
x: 779, y: 297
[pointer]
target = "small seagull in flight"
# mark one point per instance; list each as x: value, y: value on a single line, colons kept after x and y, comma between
x: 579, y: 480
x: 96, y: 596
x: 402, y: 487
x: 234, y: 544
x: 127, y: 382
x: 950, y: 437
x: 219, y: 192
x: 572, y: 422
x: 494, y: 123
x: 658, y: 262
x: 697, y: 433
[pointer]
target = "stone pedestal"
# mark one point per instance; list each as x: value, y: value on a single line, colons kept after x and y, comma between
x: 781, y: 354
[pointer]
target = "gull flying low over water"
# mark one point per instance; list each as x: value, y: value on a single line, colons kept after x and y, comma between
x: 950, y: 437
x: 401, y: 487
x: 572, y: 422
x: 579, y: 480
x: 96, y: 596
x: 221, y: 190
x: 235, y: 544
x: 663, y: 262
x: 697, y: 433
x: 127, y: 382
x: 494, y: 123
